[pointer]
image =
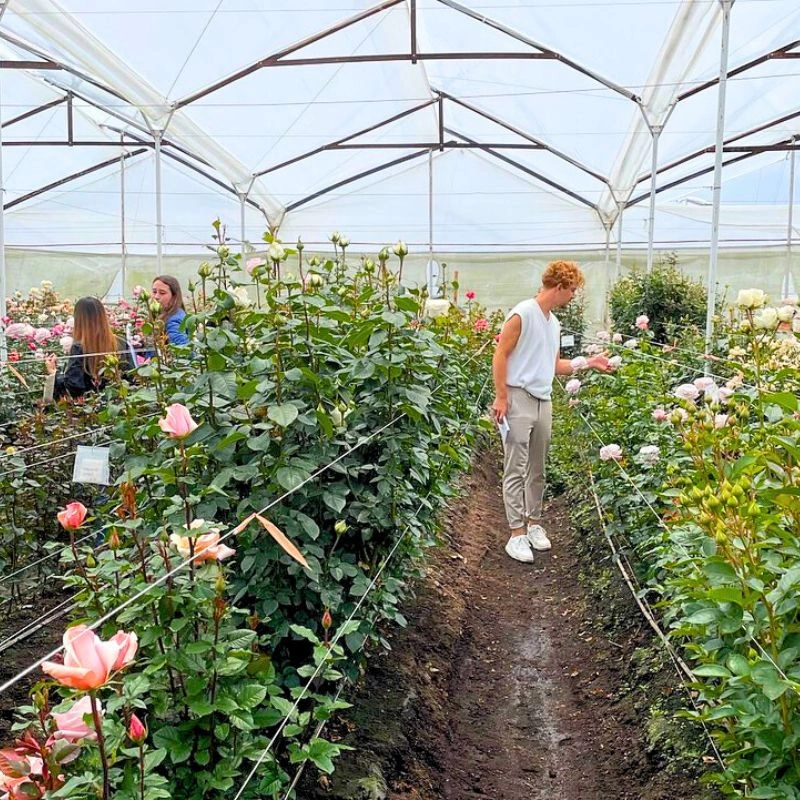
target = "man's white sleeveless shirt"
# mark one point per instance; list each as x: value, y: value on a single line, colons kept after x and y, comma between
x: 532, y: 363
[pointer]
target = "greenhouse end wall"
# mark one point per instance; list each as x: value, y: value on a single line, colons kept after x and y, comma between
x: 500, y: 280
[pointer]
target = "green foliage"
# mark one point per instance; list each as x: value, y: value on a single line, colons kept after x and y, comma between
x: 669, y: 298
x: 327, y: 402
x: 573, y: 322
x: 713, y: 527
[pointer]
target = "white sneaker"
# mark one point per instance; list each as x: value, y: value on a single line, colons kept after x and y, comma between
x: 519, y: 549
x: 537, y: 538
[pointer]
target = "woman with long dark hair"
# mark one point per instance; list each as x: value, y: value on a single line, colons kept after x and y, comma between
x: 167, y: 291
x: 93, y: 341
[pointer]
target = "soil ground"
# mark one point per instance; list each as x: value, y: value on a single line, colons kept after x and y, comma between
x: 513, y: 681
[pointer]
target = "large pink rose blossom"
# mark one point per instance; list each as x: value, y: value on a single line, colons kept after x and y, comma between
x: 642, y: 322
x: 89, y: 661
x: 206, y: 546
x: 178, y: 423
x: 687, y: 391
x: 573, y: 386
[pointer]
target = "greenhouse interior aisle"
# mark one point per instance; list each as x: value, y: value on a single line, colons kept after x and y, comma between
x: 506, y: 685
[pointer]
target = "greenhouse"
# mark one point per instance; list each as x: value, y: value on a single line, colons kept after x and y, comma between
x: 289, y: 295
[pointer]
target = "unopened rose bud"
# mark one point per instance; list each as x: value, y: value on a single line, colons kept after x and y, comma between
x: 113, y: 539
x: 334, y: 237
x: 400, y: 249
x: 340, y: 527
x: 369, y: 265
x: 300, y: 246
x: 219, y: 584
x: 90, y: 562
x: 276, y: 252
x: 154, y: 306
x: 344, y: 242
x: 137, y: 732
x: 223, y: 252
x: 327, y: 620
x: 383, y: 255
x: 205, y: 270
x: 313, y: 261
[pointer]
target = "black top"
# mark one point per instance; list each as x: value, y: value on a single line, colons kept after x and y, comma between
x: 75, y: 381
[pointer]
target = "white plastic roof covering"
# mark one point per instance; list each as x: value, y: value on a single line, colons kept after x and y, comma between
x: 613, y: 68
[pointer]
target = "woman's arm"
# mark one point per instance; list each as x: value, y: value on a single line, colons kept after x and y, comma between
x: 173, y: 330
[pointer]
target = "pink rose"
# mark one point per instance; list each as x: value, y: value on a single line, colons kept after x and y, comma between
x: 72, y: 516
x: 642, y: 322
x: 610, y: 452
x: 481, y: 325
x: 252, y: 263
x: 720, y: 420
x: 136, y: 730
x: 89, y: 661
x: 178, y: 423
x: 470, y: 295
x: 660, y: 415
x: 206, y: 546
x: 71, y: 724
x: 573, y: 386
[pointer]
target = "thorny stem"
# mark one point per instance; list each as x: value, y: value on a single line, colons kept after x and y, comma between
x: 101, y: 743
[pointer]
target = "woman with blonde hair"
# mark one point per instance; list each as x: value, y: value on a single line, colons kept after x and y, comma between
x: 88, y: 364
x: 167, y: 291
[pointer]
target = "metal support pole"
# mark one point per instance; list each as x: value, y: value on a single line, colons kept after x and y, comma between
x: 157, y: 135
x: 606, y: 267
x: 3, y: 284
x: 123, y: 244
x: 430, y: 204
x: 618, y: 269
x: 711, y: 295
x: 242, y: 207
x: 787, y: 289
x: 655, y: 132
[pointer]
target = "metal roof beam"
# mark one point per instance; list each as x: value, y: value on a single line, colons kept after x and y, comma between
x: 331, y: 145
x: 286, y: 51
x: 34, y: 111
x: 527, y: 170
x: 503, y: 124
x: 74, y: 176
x: 499, y: 26
x: 359, y: 176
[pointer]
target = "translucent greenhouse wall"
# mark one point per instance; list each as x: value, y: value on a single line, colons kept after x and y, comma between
x: 499, y: 279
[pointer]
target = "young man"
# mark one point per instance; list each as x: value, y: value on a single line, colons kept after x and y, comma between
x: 525, y: 361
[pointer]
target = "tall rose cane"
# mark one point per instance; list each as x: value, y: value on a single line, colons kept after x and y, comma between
x: 178, y: 424
x: 71, y: 519
x: 137, y: 732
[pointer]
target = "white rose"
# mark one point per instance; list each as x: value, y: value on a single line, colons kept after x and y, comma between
x: 614, y: 362
x: 275, y: 252
x: 751, y: 298
x: 617, y: 338
x: 602, y: 336
x: 573, y: 386
x: 785, y: 313
x: 704, y: 384
x: 631, y: 344
x: 436, y: 308
x: 720, y: 420
x: 766, y: 319
x: 240, y: 296
x: 649, y: 454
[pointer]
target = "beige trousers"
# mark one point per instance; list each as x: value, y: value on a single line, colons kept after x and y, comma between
x: 530, y: 424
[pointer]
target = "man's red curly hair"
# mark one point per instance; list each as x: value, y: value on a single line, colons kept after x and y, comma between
x: 562, y: 274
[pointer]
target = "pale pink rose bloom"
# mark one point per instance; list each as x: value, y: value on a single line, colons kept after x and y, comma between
x: 725, y: 394
x: 573, y: 386
x: 720, y: 420
x: 39, y: 355
x: 71, y: 725
x: 631, y: 344
x: 642, y: 322
x: 66, y: 343
x: 704, y: 383
x: 579, y: 363
x: 481, y: 325
x: 687, y: 391
x: 610, y: 452
x: 128, y: 644
x: 602, y: 336
x: 660, y: 415
x: 206, y: 547
x: 615, y: 362
x: 617, y: 338
x: 138, y: 291
x: 178, y: 423
x: 252, y: 263
x: 88, y: 661
x: 19, y: 330
x: 42, y: 335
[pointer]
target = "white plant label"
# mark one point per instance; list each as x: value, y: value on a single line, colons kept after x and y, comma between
x: 91, y: 465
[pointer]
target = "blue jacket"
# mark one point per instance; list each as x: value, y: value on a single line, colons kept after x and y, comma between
x: 173, y: 328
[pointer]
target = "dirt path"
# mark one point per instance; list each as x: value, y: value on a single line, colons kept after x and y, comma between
x: 506, y: 685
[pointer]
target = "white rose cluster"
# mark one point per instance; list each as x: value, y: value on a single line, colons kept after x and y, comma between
x: 751, y: 298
